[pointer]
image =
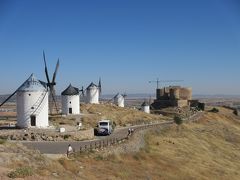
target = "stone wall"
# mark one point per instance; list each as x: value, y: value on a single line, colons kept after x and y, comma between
x: 181, y: 103
x: 46, y: 135
x: 186, y: 93
x: 174, y: 93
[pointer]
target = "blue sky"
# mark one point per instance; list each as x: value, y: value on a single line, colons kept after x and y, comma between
x: 125, y: 42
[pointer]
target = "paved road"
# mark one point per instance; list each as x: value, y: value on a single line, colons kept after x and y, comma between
x: 47, y: 147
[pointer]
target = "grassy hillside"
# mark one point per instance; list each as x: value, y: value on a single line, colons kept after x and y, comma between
x: 92, y: 113
x: 120, y: 116
x: 207, y: 149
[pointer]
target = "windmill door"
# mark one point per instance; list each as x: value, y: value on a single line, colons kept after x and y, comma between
x: 70, y: 111
x: 33, y: 120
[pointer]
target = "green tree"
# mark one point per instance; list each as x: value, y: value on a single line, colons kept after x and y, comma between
x: 178, y: 120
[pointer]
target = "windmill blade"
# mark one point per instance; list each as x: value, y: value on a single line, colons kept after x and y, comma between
x: 43, y: 83
x: 100, y: 86
x: 46, y: 70
x: 55, y: 72
x: 11, y: 95
x: 8, y: 98
x: 52, y: 91
x: 83, y: 91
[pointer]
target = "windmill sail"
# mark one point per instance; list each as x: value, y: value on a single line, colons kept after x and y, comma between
x: 100, y: 86
x: 9, y: 97
x: 51, y: 87
x: 55, y: 72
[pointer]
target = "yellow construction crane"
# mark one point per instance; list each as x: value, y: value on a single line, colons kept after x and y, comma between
x: 158, y: 81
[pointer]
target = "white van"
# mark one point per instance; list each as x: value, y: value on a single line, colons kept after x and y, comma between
x: 105, y: 127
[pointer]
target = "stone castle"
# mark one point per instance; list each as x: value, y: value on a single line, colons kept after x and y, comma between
x: 172, y: 96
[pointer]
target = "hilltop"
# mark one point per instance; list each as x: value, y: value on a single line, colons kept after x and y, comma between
x: 92, y: 113
x: 206, y: 149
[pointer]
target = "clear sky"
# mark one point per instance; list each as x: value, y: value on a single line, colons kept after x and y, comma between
x: 125, y: 42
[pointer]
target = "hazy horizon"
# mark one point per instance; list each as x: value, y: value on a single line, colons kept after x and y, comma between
x: 153, y: 96
x: 127, y: 43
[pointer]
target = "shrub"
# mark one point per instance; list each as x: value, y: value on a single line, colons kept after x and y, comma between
x: 201, y: 106
x: 214, y: 110
x: 2, y: 141
x: 114, y: 124
x: 66, y: 136
x: 178, y: 120
x: 235, y: 112
x: 99, y: 158
x: 21, y: 172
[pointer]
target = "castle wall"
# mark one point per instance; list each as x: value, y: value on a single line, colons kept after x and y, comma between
x: 172, y: 96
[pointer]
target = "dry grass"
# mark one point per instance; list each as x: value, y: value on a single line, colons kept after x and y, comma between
x: 92, y: 113
x: 121, y: 116
x: 207, y: 149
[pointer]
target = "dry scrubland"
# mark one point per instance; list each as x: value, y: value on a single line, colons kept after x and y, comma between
x: 207, y: 149
x: 121, y: 116
x: 92, y: 113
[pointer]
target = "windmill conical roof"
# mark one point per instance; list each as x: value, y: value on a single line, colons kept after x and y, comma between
x: 145, y: 103
x: 92, y: 85
x: 118, y: 95
x: 70, y: 91
x: 33, y: 84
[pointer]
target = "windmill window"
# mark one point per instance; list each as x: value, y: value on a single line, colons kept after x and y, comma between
x: 70, y: 102
x: 29, y: 94
x: 32, y: 107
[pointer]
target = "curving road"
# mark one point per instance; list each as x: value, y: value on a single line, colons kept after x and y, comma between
x: 47, y: 147
x: 119, y: 134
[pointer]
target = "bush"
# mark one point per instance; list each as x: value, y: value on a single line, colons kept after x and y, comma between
x: 114, y: 124
x: 235, y: 112
x: 201, y: 106
x: 62, y: 123
x: 66, y: 136
x: 2, y: 141
x: 21, y: 172
x: 214, y: 110
x: 178, y: 120
x: 99, y: 158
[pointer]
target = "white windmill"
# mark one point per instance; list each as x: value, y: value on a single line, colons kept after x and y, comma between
x: 70, y: 100
x: 32, y: 103
x: 119, y: 99
x: 93, y: 92
x: 145, y: 107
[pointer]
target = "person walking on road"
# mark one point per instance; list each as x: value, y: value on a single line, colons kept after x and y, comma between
x: 132, y: 130
x: 69, y: 150
x: 129, y: 131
